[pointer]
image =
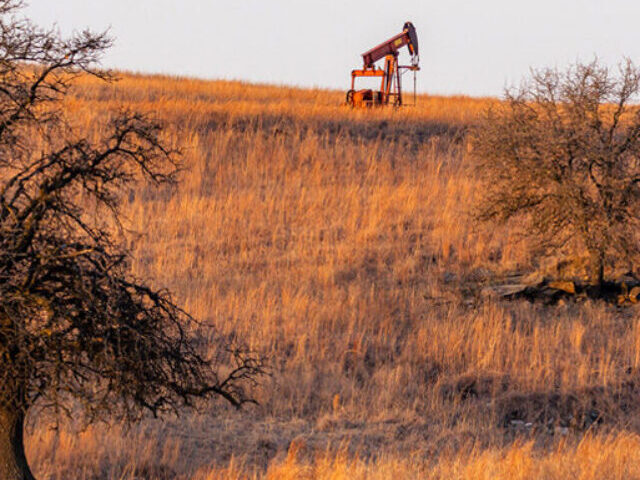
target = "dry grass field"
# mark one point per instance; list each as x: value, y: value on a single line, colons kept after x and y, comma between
x: 338, y: 243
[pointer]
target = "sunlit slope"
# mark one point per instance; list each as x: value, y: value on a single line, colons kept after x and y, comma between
x: 338, y: 243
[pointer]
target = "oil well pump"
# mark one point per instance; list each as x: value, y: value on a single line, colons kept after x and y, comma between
x: 390, y: 92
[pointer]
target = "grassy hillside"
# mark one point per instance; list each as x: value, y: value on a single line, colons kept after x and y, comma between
x: 338, y: 243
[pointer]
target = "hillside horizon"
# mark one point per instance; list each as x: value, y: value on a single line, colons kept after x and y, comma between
x: 338, y: 243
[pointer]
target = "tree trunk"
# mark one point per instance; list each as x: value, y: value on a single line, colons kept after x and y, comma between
x: 13, y: 462
x: 597, y: 268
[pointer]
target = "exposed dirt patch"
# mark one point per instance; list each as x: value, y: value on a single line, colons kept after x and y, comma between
x: 474, y: 385
x: 579, y: 410
x: 552, y: 292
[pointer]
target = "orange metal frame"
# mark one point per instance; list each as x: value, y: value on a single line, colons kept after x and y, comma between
x: 387, y: 74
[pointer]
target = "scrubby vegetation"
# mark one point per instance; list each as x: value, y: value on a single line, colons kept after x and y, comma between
x: 562, y: 152
x: 80, y: 336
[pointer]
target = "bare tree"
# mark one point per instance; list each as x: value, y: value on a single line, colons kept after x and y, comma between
x: 562, y: 153
x: 77, y: 330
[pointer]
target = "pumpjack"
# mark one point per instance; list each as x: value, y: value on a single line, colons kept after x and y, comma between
x: 390, y: 92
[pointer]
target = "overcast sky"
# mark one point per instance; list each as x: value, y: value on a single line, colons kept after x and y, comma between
x: 466, y: 47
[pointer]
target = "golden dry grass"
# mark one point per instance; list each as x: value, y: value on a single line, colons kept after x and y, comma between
x: 338, y: 243
x: 592, y: 458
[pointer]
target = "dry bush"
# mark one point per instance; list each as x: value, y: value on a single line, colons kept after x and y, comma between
x: 562, y: 153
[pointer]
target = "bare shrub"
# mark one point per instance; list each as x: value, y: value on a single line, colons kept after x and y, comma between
x: 562, y: 154
x: 76, y: 327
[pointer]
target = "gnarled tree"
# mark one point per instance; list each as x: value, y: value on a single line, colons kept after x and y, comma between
x: 77, y: 330
x: 562, y: 153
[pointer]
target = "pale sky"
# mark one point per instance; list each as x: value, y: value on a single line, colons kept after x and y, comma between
x: 466, y: 47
